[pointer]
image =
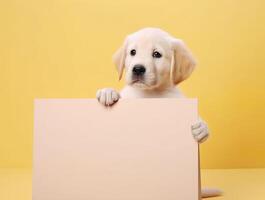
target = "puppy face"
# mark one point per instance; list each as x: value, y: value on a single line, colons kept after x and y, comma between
x: 147, y: 61
x: 148, y: 57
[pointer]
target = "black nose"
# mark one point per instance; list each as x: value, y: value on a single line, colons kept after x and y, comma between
x: 138, y: 70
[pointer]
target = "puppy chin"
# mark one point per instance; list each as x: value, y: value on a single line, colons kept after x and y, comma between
x: 140, y: 85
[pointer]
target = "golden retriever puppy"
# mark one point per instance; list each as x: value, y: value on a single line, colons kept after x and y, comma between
x: 155, y: 63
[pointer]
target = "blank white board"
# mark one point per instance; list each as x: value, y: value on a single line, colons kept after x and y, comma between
x: 139, y: 149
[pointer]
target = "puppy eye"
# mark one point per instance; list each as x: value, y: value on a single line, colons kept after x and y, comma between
x: 133, y: 52
x: 156, y: 54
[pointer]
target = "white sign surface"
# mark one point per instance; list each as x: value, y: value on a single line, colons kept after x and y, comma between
x: 140, y: 149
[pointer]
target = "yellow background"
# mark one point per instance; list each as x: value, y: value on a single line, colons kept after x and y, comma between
x: 63, y: 49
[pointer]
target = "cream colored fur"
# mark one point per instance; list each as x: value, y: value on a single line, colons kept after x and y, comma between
x: 161, y: 76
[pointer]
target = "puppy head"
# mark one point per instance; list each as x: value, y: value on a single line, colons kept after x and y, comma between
x: 153, y: 59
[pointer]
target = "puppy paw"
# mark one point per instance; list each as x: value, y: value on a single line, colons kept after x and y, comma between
x: 107, y: 96
x: 200, y: 131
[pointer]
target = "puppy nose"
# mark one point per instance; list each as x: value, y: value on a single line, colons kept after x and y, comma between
x: 138, y: 70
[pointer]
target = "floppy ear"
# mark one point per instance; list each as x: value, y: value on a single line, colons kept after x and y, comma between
x: 119, y: 58
x: 182, y: 62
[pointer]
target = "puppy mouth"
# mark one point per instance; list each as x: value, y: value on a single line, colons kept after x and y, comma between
x: 140, y: 83
x: 143, y: 82
x: 138, y: 80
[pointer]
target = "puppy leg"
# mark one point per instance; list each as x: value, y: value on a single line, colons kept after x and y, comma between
x: 200, y: 131
x: 107, y: 96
